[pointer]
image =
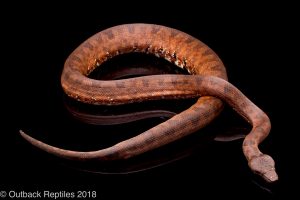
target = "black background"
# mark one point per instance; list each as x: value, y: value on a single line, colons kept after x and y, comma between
x: 251, y: 41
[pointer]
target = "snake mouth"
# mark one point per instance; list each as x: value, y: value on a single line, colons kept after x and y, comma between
x: 270, y: 176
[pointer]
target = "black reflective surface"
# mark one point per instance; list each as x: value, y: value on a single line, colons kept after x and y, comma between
x: 197, y: 166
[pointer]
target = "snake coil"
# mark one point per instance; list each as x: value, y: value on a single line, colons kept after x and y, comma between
x: 208, y: 79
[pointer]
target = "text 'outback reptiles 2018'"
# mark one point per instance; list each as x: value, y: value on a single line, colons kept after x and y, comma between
x: 207, y: 79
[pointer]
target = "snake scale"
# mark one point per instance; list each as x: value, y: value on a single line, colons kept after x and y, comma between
x: 207, y: 79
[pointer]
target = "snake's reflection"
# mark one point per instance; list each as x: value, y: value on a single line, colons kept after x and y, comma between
x: 144, y: 112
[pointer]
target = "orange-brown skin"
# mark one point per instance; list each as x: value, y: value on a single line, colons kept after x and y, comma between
x: 208, y: 79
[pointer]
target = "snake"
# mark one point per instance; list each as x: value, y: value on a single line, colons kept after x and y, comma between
x: 207, y: 80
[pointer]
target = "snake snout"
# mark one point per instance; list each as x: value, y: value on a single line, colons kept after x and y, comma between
x: 264, y: 165
x: 270, y: 176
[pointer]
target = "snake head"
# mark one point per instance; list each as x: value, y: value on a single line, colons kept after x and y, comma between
x: 264, y: 166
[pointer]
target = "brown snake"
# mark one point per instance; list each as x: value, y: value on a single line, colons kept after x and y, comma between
x: 208, y: 79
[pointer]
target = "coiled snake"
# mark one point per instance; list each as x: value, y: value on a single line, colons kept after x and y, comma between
x: 208, y: 79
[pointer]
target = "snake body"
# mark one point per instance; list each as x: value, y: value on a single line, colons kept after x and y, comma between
x: 208, y: 79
